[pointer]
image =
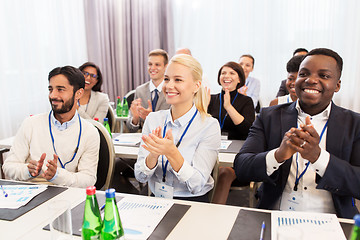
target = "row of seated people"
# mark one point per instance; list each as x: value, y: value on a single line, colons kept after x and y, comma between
x: 300, y: 168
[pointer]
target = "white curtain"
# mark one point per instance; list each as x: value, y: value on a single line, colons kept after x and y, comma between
x: 221, y: 31
x: 36, y: 36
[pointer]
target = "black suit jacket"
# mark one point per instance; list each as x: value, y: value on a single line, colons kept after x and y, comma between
x: 282, y: 89
x: 342, y: 175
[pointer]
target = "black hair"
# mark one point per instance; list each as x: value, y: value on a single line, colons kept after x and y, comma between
x: 97, y: 86
x: 329, y: 53
x: 74, y: 76
x: 238, y: 69
x: 300, y: 50
x: 294, y: 63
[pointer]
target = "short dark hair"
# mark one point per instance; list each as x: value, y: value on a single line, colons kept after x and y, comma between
x: 238, y: 69
x: 160, y: 52
x: 249, y: 56
x: 300, y: 50
x: 74, y: 76
x: 329, y: 53
x: 97, y: 87
x: 294, y: 63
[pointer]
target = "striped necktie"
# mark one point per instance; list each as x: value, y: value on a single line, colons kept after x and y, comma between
x: 155, y: 99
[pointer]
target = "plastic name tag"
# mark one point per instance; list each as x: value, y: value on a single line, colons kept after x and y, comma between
x: 163, y: 191
x: 291, y: 201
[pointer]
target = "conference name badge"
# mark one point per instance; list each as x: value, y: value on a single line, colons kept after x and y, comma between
x: 163, y: 191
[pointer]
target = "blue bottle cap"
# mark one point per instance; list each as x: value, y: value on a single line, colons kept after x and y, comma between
x: 357, y: 220
x: 106, y: 119
x: 110, y: 193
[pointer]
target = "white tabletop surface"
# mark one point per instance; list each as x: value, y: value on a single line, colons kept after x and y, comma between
x: 195, y: 224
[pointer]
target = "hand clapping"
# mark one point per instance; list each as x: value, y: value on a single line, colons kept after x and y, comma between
x: 304, y: 140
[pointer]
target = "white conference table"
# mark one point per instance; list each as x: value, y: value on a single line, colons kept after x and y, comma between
x: 201, y: 221
x: 226, y: 159
x: 197, y: 223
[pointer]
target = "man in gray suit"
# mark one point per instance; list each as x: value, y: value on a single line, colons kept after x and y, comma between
x: 148, y: 96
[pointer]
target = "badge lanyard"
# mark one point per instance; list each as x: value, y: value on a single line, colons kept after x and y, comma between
x: 232, y: 103
x: 297, y: 179
x: 177, y: 145
x: 53, y: 142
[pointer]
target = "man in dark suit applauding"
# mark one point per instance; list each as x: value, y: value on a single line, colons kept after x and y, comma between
x: 306, y: 153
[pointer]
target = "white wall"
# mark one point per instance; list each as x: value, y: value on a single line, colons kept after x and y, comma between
x: 221, y: 31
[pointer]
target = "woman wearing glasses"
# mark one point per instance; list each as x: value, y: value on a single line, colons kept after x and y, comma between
x: 93, y: 103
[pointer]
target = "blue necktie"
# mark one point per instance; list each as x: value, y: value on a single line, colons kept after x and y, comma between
x: 155, y: 99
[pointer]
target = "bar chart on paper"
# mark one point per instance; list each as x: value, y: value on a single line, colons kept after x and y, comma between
x: 140, y: 216
x: 305, y: 225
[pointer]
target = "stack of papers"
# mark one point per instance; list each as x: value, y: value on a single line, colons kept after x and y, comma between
x: 140, y: 216
x: 128, y: 139
x: 15, y: 196
x: 225, y: 144
x: 305, y: 225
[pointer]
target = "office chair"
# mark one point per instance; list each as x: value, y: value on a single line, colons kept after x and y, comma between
x: 214, y: 174
x: 106, y: 161
x: 112, y: 120
x: 130, y: 97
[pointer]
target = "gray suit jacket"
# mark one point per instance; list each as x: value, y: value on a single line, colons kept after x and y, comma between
x: 143, y: 92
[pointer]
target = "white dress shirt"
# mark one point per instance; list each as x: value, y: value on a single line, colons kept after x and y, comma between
x: 199, y: 148
x: 310, y: 199
x: 152, y: 88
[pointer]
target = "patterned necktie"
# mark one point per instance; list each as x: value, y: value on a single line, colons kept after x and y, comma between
x: 155, y: 99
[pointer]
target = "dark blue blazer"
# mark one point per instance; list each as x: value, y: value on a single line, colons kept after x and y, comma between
x: 342, y: 175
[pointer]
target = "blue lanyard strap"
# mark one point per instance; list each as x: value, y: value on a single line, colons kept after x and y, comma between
x: 297, y: 179
x: 53, y: 141
x: 232, y: 103
x: 177, y: 145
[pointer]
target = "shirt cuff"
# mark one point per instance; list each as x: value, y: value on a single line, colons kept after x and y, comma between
x: 133, y: 125
x: 271, y: 164
x: 321, y: 164
x: 55, y: 176
x: 185, y: 172
x: 147, y: 171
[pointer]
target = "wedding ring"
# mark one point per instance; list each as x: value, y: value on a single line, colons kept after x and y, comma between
x: 302, y: 145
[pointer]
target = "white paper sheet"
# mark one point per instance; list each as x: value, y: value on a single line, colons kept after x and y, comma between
x: 128, y: 139
x: 225, y: 144
x: 19, y: 195
x: 140, y: 216
x: 305, y: 225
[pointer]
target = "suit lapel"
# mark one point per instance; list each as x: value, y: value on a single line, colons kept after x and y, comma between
x: 335, y: 134
x: 288, y: 120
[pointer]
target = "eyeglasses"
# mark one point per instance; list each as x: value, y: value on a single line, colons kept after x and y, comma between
x: 90, y: 74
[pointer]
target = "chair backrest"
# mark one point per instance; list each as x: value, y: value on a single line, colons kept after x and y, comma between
x: 106, y: 161
x: 214, y: 174
x: 130, y: 97
x: 112, y: 120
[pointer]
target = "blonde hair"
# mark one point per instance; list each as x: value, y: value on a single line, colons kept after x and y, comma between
x: 200, y: 97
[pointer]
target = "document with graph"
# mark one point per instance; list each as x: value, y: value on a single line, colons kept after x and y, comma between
x: 305, y: 225
x: 140, y: 216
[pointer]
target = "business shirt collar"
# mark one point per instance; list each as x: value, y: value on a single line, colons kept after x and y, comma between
x: 323, y: 114
x: 183, y: 120
x: 65, y: 125
x: 152, y: 86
